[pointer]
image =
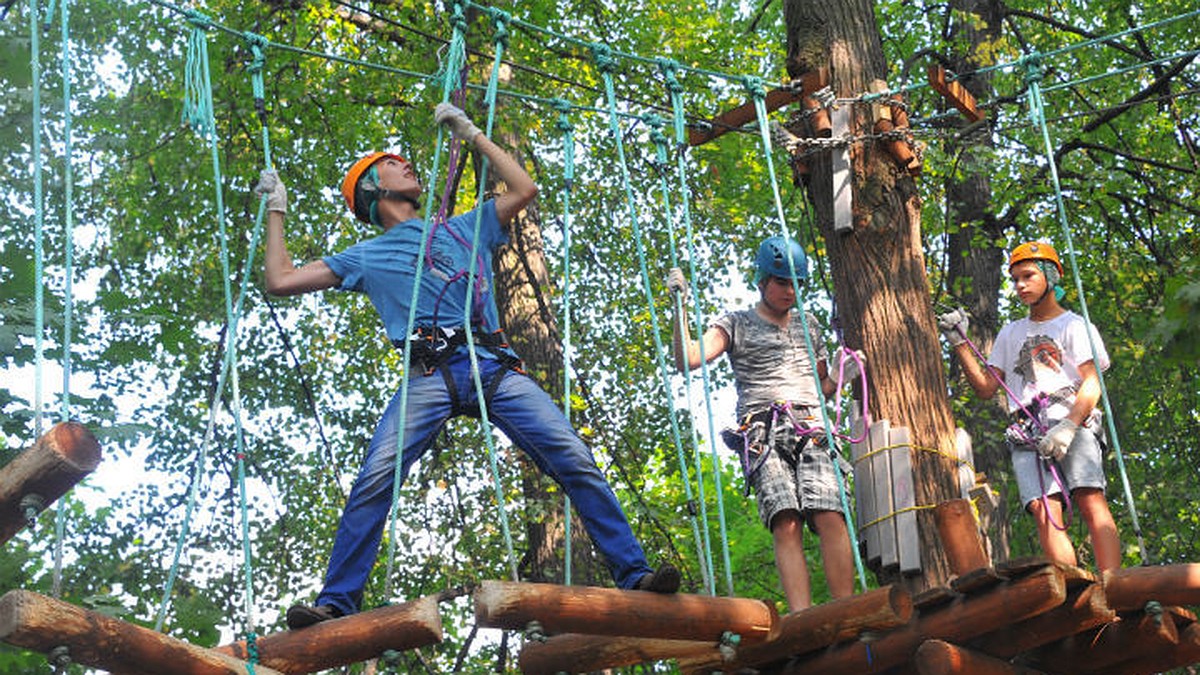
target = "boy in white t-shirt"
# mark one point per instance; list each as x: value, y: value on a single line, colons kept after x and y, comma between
x: 1049, y: 372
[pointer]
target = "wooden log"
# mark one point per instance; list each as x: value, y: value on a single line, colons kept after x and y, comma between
x: 745, y: 113
x: 938, y: 657
x: 1133, y: 637
x: 609, y: 611
x: 38, y: 623
x: 1185, y: 653
x: 960, y: 537
x: 816, y: 628
x: 1131, y: 588
x: 958, y: 621
x: 58, y: 460
x: 954, y: 92
x: 576, y: 653
x: 1084, y: 609
x: 350, y: 639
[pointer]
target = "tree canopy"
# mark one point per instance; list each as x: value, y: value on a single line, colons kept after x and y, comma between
x: 148, y: 310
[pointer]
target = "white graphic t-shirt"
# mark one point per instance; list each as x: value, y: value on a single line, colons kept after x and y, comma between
x: 1043, y: 357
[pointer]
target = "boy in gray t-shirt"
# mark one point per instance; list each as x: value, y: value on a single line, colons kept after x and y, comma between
x: 794, y: 480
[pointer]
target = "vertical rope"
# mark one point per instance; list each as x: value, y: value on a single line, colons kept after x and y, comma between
x: 605, y: 63
x: 455, y: 59
x: 39, y: 219
x: 675, y: 88
x: 754, y: 87
x: 60, y: 508
x: 568, y: 145
x: 1037, y: 113
x: 703, y: 551
x: 500, y: 20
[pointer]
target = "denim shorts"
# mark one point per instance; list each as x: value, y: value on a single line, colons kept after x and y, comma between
x: 783, y: 480
x: 1082, y: 467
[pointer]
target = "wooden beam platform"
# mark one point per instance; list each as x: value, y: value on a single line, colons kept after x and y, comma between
x: 57, y: 461
x: 746, y: 113
x: 39, y: 623
x: 815, y: 628
x: 609, y: 611
x: 957, y: 621
x: 576, y: 653
x: 1132, y: 587
x: 937, y: 657
x: 350, y: 639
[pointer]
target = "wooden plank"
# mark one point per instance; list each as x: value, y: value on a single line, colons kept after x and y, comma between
x: 959, y: 536
x: 1132, y: 637
x: 954, y: 92
x: 956, y: 622
x: 746, y: 113
x: 609, y: 611
x: 62, y: 457
x: 576, y: 653
x: 350, y: 639
x: 817, y: 627
x: 938, y: 657
x: 881, y: 474
x: 864, y: 495
x: 1185, y: 653
x: 1131, y: 588
x: 843, y: 174
x: 39, y: 623
x: 1083, y: 610
x: 904, y: 496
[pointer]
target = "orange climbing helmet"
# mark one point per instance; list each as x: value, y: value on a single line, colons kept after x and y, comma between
x: 1035, y: 250
x: 361, y: 200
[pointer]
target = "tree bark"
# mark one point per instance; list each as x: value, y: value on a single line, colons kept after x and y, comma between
x: 880, y: 284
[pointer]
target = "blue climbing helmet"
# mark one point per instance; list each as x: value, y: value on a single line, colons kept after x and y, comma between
x: 772, y: 260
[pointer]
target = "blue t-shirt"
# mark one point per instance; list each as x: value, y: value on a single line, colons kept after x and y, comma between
x: 384, y: 268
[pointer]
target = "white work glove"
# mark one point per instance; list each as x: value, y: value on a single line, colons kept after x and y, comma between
x: 953, y: 325
x: 457, y: 122
x: 1056, y: 441
x: 270, y: 185
x: 676, y: 283
x: 851, y: 371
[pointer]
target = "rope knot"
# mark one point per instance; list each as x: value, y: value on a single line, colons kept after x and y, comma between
x: 257, y: 44
x: 603, y: 56
x: 1033, y: 69
x: 670, y: 71
x: 251, y: 648
x: 563, y: 107
x: 198, y: 20
x: 458, y: 19
x: 500, y: 20
x: 754, y: 86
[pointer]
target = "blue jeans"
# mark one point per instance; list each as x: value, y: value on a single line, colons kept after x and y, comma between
x: 528, y: 416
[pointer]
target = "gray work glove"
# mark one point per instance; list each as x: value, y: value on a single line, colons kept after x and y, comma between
x: 457, y: 122
x: 852, y: 370
x: 676, y: 283
x: 953, y: 325
x: 270, y: 186
x: 1055, y: 443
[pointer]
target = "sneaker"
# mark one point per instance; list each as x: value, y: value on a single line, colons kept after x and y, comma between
x: 665, y: 579
x: 302, y: 616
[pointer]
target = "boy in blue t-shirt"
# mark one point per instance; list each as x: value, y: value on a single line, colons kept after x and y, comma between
x: 383, y: 189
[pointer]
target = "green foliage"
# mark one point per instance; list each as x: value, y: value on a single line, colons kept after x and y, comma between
x: 151, y: 326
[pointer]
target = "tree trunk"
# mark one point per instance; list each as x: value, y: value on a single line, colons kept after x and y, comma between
x: 976, y: 244
x: 880, y: 284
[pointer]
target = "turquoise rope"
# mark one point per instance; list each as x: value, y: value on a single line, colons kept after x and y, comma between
x: 675, y: 88
x: 568, y: 145
x: 455, y: 57
x: 501, y: 37
x: 39, y: 219
x: 702, y: 544
x: 606, y: 64
x: 68, y: 272
x: 1037, y: 114
x: 755, y: 89
x: 204, y: 91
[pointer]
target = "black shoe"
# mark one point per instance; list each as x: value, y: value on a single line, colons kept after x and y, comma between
x: 302, y: 616
x: 665, y: 579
